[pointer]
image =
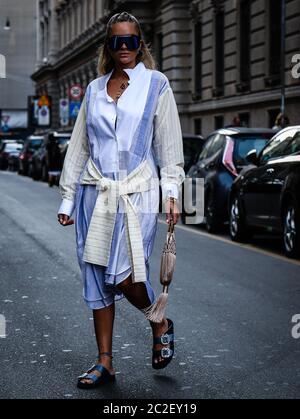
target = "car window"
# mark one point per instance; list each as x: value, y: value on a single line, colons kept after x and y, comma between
x: 208, y: 143
x: 276, y: 147
x: 63, y: 140
x: 293, y: 147
x: 242, y: 146
x: 12, y: 147
x: 216, y: 146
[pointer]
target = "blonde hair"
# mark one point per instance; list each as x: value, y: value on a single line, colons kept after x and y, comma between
x: 106, y: 62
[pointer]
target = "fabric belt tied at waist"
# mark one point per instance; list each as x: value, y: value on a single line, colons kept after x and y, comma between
x: 100, y: 232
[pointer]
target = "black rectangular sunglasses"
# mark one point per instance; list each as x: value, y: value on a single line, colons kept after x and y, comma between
x: 132, y: 42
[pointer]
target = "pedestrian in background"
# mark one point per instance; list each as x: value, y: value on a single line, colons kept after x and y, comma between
x: 127, y: 127
x: 282, y: 121
x: 236, y: 122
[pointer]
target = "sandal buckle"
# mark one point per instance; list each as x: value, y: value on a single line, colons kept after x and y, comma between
x: 165, y: 339
x: 166, y: 353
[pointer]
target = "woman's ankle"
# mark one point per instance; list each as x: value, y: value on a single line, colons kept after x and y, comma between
x: 105, y: 358
x: 157, y: 326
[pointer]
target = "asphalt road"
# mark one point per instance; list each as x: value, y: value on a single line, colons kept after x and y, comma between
x: 232, y: 306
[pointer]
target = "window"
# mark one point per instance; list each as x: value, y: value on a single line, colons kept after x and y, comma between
x: 219, y: 52
x: 197, y: 126
x: 293, y: 146
x: 208, y: 143
x: 276, y: 148
x: 244, y: 119
x: 275, y: 39
x: 245, y: 34
x: 34, y: 145
x: 243, y: 144
x: 219, y: 121
x: 273, y: 113
x: 198, y: 58
x: 217, y: 145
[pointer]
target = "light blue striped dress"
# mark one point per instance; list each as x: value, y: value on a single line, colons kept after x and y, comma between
x: 120, y: 136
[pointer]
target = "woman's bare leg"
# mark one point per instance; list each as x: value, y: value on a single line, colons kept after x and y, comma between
x: 104, y: 323
x: 136, y: 294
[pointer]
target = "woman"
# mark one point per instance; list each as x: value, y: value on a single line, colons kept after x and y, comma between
x: 128, y: 124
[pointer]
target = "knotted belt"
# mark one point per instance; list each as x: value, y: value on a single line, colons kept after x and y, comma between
x: 100, y: 232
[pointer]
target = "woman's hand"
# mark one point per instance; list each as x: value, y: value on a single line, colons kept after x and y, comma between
x: 172, y: 211
x: 65, y: 220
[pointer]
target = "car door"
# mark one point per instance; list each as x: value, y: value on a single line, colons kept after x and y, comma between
x: 281, y: 168
x: 259, y: 191
x: 255, y: 191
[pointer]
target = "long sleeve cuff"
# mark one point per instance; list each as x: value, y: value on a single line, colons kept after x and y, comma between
x: 66, y: 207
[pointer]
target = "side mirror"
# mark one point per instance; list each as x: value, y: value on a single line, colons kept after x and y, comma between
x: 251, y: 157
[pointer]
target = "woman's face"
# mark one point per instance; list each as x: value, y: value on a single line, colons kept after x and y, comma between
x: 124, y: 57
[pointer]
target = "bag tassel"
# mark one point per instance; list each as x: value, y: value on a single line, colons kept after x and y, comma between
x: 156, y: 312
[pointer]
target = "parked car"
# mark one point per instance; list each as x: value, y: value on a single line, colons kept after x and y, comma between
x: 266, y: 194
x: 7, y: 149
x: 36, y: 164
x: 222, y: 158
x: 10, y: 140
x: 56, y: 145
x: 13, y: 159
x: 192, y: 147
x: 50, y: 156
x: 31, y: 145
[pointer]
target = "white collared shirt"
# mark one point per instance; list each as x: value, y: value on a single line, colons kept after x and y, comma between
x: 117, y: 123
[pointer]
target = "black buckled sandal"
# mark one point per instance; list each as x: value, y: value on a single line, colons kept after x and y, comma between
x: 166, y: 353
x: 97, y: 380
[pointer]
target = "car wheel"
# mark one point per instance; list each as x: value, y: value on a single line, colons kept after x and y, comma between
x: 183, y: 217
x: 33, y: 173
x: 44, y: 173
x: 237, y: 225
x: 213, y: 223
x: 29, y: 170
x: 51, y: 181
x: 291, y: 231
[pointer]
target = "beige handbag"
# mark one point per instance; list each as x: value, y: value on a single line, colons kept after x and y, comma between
x: 156, y: 311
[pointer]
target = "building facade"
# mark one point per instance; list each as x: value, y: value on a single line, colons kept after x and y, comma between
x: 222, y: 57
x: 18, y: 54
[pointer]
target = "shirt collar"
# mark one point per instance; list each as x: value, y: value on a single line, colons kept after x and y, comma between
x: 131, y: 72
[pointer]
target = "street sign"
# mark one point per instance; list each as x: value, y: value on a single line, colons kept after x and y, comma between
x: 44, y: 116
x: 75, y: 91
x: 39, y: 111
x: 64, y: 112
x: 74, y: 109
